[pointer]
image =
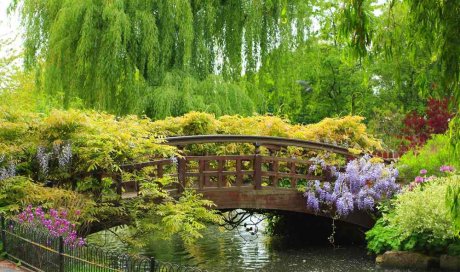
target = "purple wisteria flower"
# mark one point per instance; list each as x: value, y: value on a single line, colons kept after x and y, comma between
x: 8, y: 171
x: 65, y: 155
x: 43, y: 160
x: 359, y: 187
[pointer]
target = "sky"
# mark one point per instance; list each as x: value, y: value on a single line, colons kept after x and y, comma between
x: 9, y: 26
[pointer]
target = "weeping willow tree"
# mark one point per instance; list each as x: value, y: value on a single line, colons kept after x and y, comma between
x: 433, y: 32
x: 180, y: 93
x: 114, y: 53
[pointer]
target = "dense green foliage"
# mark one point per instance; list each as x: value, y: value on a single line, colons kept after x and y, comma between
x: 435, y: 153
x: 111, y: 53
x: 419, y: 220
x: 228, y: 67
x: 347, y: 131
x: 453, y: 203
x: 77, y: 152
x: 288, y: 58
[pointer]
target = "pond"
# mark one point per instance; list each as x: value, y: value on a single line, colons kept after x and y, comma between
x: 240, y: 250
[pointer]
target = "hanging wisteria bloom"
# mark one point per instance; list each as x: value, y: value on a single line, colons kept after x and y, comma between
x: 55, y: 223
x: 43, y: 160
x: 8, y: 171
x: 65, y: 155
x: 359, y: 187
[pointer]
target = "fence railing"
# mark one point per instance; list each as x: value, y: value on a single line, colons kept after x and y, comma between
x: 39, y: 251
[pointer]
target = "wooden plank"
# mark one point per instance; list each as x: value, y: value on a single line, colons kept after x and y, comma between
x: 181, y: 170
x: 281, y: 159
x: 220, y: 157
x: 220, y: 168
x: 239, y: 173
x: 293, y: 173
x: 274, y: 168
x: 201, y: 175
x: 206, y: 178
x: 289, y: 175
x: 260, y: 140
x: 257, y: 168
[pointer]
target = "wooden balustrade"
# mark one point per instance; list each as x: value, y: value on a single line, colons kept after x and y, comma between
x: 209, y: 172
x: 253, y: 181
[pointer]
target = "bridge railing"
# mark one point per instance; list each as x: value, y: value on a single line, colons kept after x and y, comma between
x: 256, y: 170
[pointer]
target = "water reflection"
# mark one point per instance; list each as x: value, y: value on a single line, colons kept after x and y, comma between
x: 239, y: 250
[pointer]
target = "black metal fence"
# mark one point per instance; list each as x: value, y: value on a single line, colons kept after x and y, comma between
x: 40, y: 251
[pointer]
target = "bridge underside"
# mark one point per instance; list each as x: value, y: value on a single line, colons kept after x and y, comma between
x: 272, y: 199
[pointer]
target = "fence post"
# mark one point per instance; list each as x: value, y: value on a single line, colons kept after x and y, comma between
x: 257, y: 168
x: 61, y: 254
x: 152, y: 264
x: 2, y: 218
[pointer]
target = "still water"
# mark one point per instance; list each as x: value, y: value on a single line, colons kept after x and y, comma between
x: 239, y: 250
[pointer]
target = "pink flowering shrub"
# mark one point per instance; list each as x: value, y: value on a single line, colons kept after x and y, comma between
x: 423, y: 178
x: 55, y: 223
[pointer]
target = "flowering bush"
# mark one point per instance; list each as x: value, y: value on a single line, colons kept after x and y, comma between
x: 363, y: 183
x: 436, y: 152
x: 55, y: 223
x: 419, y: 220
x: 445, y: 169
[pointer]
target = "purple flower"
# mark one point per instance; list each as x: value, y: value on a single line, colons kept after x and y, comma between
x: 312, y: 202
x: 43, y: 160
x: 359, y: 187
x: 423, y: 172
x: 446, y: 168
x: 55, y: 223
x: 419, y: 179
x: 8, y: 171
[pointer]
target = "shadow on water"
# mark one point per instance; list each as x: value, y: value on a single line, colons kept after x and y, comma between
x: 296, y: 242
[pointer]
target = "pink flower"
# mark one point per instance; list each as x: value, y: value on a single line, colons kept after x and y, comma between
x: 54, y: 222
x: 446, y: 168
x: 419, y: 179
x: 423, y: 172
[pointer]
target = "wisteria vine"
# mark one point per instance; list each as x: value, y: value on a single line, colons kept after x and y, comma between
x: 363, y: 183
x: 61, y: 152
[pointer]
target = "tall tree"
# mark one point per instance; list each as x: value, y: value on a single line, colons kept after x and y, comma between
x: 109, y: 52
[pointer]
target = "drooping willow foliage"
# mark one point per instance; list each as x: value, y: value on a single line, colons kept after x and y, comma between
x: 113, y: 53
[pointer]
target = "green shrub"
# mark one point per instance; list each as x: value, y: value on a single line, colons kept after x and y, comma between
x: 436, y: 152
x: 419, y: 221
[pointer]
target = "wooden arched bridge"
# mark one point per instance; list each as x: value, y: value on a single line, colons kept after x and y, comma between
x: 265, y: 179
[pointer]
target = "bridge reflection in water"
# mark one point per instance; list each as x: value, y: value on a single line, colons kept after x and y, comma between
x: 255, y: 181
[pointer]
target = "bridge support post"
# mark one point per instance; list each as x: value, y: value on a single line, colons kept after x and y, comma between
x: 257, y: 168
x: 181, y: 169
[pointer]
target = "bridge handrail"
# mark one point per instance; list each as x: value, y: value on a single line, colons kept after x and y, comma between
x: 257, y: 140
